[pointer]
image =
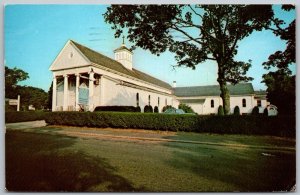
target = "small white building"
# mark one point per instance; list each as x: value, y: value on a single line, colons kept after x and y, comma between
x: 84, y: 79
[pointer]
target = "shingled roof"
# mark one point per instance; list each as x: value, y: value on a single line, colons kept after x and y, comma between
x: 107, y: 62
x: 213, y: 90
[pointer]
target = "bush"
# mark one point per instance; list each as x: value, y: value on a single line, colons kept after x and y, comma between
x: 156, y: 109
x: 266, y: 112
x: 167, y: 107
x: 220, y: 111
x: 250, y: 125
x: 148, y: 109
x: 186, y: 108
x: 236, y: 111
x: 255, y: 111
x: 116, y: 108
x: 138, y: 109
x: 22, y: 116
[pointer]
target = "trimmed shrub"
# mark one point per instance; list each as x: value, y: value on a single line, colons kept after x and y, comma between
x: 186, y: 108
x: 22, y: 116
x: 167, y: 107
x: 148, y: 109
x: 230, y: 124
x: 220, y: 111
x: 266, y: 112
x: 255, y: 111
x: 138, y: 109
x: 156, y: 109
x: 116, y: 108
x: 236, y: 111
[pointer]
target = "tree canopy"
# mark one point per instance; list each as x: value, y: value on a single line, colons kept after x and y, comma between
x: 281, y: 85
x: 29, y: 95
x: 194, y: 33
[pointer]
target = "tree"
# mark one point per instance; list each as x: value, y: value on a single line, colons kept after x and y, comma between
x: 280, y: 83
x: 194, y: 33
x: 49, y: 101
x: 32, y: 96
x: 236, y: 111
x: 255, y: 111
x: 12, y: 77
x: 220, y: 110
x: 281, y: 91
x: 186, y: 108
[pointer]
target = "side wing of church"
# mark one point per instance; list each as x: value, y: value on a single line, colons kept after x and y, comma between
x: 84, y: 79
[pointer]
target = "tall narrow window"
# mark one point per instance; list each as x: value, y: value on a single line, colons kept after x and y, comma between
x: 137, y: 99
x: 212, y: 103
x: 244, y: 102
x: 158, y: 102
x: 259, y: 103
x: 149, y: 99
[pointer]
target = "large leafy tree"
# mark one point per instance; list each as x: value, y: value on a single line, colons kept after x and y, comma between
x: 280, y: 82
x: 194, y: 33
x: 12, y: 77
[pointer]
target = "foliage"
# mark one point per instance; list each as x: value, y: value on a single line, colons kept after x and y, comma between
x: 13, y: 117
x: 277, y: 125
x: 282, y: 59
x: 148, y: 108
x: 49, y: 102
x: 156, y: 109
x: 281, y: 90
x: 138, y: 109
x: 281, y: 81
x: 236, y: 111
x: 12, y: 77
x: 159, y: 28
x: 255, y: 111
x: 29, y: 95
x: 186, y: 108
x: 167, y: 107
x: 266, y: 113
x: 220, y: 111
x: 117, y: 108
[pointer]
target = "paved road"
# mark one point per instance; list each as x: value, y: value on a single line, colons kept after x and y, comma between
x: 25, y: 125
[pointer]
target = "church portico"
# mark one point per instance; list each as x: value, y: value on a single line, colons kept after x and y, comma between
x: 74, y: 90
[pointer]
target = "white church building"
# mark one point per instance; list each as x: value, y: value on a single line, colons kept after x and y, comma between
x: 84, y: 79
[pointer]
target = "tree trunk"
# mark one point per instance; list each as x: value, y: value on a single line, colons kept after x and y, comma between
x: 225, y: 97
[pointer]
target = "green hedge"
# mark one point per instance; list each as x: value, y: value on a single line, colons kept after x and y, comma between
x: 22, y: 116
x: 258, y: 125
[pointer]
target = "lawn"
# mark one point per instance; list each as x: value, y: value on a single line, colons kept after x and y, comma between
x: 50, y: 159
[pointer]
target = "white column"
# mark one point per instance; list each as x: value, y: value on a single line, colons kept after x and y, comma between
x: 65, y: 107
x: 77, y: 92
x: 54, y: 94
x: 18, y: 106
x: 91, y: 91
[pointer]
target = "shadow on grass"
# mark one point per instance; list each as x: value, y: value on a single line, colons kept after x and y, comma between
x: 46, y: 163
x: 245, y: 170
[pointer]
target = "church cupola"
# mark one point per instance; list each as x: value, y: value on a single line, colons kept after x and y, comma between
x: 124, y: 56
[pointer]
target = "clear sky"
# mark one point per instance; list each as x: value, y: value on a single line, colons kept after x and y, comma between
x: 35, y: 34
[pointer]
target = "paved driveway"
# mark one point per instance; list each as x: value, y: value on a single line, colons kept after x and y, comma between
x: 25, y: 125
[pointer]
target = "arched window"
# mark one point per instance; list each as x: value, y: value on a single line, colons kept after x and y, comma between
x: 212, y: 103
x: 244, y: 102
x: 149, y: 99
x: 137, y: 99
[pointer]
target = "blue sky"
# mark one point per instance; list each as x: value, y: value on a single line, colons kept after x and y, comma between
x: 35, y: 34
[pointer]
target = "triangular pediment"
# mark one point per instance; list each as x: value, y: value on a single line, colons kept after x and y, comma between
x: 69, y: 57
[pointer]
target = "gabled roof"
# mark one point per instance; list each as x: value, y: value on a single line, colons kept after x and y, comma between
x: 213, y: 90
x: 107, y: 62
x: 123, y: 47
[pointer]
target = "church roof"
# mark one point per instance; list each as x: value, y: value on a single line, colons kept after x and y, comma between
x: 107, y: 62
x: 213, y: 90
x: 123, y: 47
